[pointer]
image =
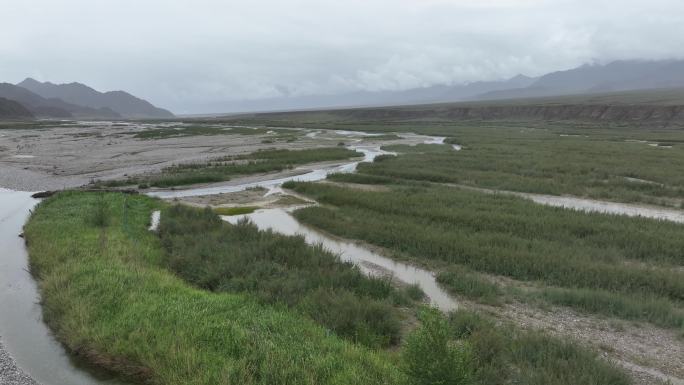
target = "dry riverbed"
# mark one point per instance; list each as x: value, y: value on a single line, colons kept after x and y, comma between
x: 58, y: 157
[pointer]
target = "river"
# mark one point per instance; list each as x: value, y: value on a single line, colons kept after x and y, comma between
x: 24, y: 334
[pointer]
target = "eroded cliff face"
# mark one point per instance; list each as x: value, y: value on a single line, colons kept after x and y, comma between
x: 639, y: 114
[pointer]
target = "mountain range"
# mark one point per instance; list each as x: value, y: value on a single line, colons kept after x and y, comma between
x: 76, y: 100
x: 626, y: 75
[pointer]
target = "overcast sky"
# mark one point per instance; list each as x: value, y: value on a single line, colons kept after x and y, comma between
x: 180, y: 54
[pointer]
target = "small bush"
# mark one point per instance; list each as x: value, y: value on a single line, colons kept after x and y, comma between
x: 431, y: 358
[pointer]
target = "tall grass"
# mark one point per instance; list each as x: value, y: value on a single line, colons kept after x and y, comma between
x: 469, y: 284
x: 278, y: 269
x: 657, y: 311
x: 529, y: 161
x: 509, y: 236
x: 116, y: 306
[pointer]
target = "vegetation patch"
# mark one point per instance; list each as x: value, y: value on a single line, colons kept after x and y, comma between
x: 107, y: 296
x: 463, y: 282
x: 629, y: 258
x: 277, y: 269
x: 655, y: 310
x: 239, y: 210
x: 504, y: 354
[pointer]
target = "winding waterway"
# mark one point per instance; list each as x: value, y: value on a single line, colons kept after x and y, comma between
x: 24, y: 334
x: 280, y: 220
x: 369, y: 154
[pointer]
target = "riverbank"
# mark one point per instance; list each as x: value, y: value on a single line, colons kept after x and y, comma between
x: 10, y: 374
x: 101, y: 278
x: 585, y: 276
x: 103, y: 274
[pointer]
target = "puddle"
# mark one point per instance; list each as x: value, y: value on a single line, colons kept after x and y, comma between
x: 280, y: 220
x: 24, y: 335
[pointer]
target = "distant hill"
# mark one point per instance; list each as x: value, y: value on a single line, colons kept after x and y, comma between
x: 125, y: 104
x: 648, y: 108
x: 52, y: 107
x: 616, y: 76
x: 10, y: 109
x: 433, y: 94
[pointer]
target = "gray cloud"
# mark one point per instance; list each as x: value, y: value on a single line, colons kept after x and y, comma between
x: 182, y: 54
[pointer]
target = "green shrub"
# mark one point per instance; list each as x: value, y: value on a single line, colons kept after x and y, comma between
x: 431, y: 358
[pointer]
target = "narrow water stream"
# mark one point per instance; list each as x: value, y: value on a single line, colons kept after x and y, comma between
x: 369, y: 153
x: 22, y: 330
x: 280, y: 221
x: 590, y: 205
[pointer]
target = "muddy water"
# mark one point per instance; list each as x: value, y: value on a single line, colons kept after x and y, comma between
x: 589, y: 205
x: 24, y: 335
x: 280, y: 220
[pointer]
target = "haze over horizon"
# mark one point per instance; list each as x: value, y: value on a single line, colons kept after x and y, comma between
x: 187, y: 58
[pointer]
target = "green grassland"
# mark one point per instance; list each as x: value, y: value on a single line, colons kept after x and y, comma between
x: 106, y: 296
x: 277, y: 269
x: 546, y: 163
x: 613, y: 265
x: 205, y: 302
x: 617, y: 161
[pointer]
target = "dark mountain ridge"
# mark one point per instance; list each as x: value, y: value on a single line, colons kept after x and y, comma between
x: 10, y: 109
x: 616, y: 76
x: 52, y: 107
x: 125, y: 104
x: 422, y: 95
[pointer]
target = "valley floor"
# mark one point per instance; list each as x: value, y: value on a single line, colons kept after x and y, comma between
x: 577, y: 286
